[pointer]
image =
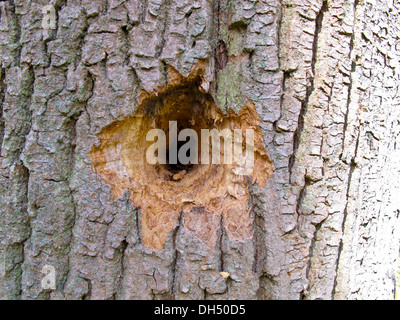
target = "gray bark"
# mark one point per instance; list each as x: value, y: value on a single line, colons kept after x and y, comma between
x: 323, y: 76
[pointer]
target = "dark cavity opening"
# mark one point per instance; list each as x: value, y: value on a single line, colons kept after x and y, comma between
x: 190, y: 108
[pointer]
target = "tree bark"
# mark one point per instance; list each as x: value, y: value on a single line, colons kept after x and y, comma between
x: 322, y: 76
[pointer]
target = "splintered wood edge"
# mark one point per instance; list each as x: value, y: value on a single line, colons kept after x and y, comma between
x: 215, y: 189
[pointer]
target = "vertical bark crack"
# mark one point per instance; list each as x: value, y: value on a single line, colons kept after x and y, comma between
x: 2, y: 96
x: 174, y: 264
x: 220, y: 248
x: 350, y: 86
x: 26, y: 220
x: 318, y: 227
x: 122, y: 250
x: 310, y: 88
x: 139, y: 225
x: 160, y: 47
x: 143, y: 10
x: 353, y: 166
x: 15, y: 35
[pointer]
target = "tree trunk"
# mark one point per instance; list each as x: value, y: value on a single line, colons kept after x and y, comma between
x: 319, y: 218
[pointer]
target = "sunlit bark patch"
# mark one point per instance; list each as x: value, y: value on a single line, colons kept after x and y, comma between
x: 201, y: 192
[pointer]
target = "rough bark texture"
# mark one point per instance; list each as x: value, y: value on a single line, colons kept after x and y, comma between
x: 323, y: 77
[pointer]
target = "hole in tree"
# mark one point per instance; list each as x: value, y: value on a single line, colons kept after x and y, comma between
x: 120, y: 160
x: 190, y: 108
x: 179, y: 166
